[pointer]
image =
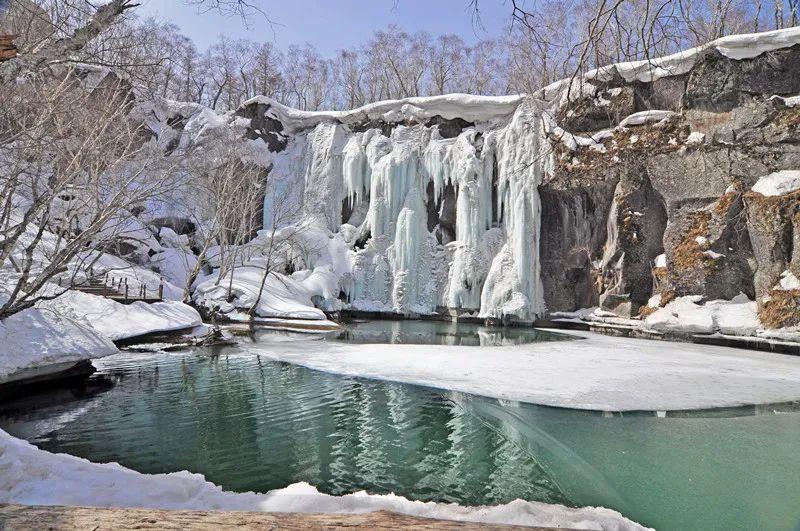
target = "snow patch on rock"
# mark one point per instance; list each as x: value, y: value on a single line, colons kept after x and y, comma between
x: 738, y: 316
x: 788, y: 281
x: 778, y: 183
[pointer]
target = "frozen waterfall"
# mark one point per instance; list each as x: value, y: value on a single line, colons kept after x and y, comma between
x: 427, y: 221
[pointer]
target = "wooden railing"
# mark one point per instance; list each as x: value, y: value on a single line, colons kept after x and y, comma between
x: 119, y: 288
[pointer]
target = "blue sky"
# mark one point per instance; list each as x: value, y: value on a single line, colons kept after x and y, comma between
x: 331, y: 25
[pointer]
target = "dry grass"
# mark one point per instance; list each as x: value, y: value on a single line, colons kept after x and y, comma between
x: 668, y: 296
x: 726, y: 200
x: 688, y: 253
x: 788, y: 117
x: 773, y: 212
x: 781, y: 309
x: 646, y: 311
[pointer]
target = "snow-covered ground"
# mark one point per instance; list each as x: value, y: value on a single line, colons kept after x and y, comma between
x: 282, y: 297
x: 117, y: 321
x: 690, y: 314
x: 738, y: 316
x: 34, y: 477
x: 596, y: 372
x: 36, y: 341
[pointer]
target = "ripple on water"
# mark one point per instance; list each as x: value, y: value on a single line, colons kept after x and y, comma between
x: 252, y: 424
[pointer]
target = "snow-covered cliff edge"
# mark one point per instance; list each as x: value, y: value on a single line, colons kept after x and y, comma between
x: 511, y: 207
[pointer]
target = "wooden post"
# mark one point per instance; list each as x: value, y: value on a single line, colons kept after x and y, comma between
x: 144, y: 287
x: 126, y: 290
x: 161, y: 289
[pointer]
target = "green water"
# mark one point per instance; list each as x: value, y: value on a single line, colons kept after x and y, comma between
x: 441, y: 333
x: 252, y: 424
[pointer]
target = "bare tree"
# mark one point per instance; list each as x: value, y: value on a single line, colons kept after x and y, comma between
x: 284, y: 242
x: 76, y: 165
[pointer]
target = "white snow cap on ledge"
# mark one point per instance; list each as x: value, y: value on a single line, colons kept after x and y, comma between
x: 465, y: 106
x: 736, y: 47
x: 475, y: 108
x: 779, y: 183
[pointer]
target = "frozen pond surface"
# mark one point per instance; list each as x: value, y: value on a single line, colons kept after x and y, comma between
x: 249, y: 423
x: 584, y: 371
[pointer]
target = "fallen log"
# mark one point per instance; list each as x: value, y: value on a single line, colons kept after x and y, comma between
x: 19, y: 517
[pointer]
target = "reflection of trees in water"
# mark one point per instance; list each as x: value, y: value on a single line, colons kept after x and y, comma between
x: 429, y: 332
x: 252, y: 424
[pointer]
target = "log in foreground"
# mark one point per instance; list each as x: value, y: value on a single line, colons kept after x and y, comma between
x: 19, y: 517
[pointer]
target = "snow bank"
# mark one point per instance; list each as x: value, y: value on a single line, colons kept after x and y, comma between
x: 778, y: 183
x: 175, y: 265
x: 283, y: 296
x: 34, y: 339
x: 34, y: 477
x: 738, y: 316
x: 117, y: 321
x: 595, y: 372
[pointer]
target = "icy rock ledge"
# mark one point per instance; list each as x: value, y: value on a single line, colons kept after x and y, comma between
x: 34, y: 477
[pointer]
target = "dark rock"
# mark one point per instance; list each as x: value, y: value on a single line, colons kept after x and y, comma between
x: 772, y: 224
x: 449, y: 128
x: 572, y: 235
x: 264, y: 127
x: 718, y: 84
x: 602, y: 112
x: 664, y: 94
x: 636, y: 227
x: 363, y: 126
x: 178, y: 224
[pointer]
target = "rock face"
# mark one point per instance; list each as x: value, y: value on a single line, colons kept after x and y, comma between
x: 681, y: 187
x: 626, y: 193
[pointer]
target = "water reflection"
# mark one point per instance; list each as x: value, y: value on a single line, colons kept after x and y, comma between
x: 248, y: 423
x: 441, y: 333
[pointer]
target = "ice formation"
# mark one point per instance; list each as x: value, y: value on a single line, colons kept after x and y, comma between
x: 428, y: 218
x: 427, y: 204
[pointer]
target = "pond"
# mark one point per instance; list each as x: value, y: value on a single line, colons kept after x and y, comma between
x: 247, y: 423
x: 417, y: 332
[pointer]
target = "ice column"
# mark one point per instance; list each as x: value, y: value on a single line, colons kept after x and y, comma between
x: 513, y: 285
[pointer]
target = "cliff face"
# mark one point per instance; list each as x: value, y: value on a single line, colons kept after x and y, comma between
x: 668, y: 208
x: 639, y: 184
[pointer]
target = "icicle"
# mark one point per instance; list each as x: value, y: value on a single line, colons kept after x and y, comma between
x: 395, y: 262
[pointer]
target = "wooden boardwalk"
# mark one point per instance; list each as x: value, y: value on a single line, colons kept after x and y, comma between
x: 118, y: 289
x: 23, y: 517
